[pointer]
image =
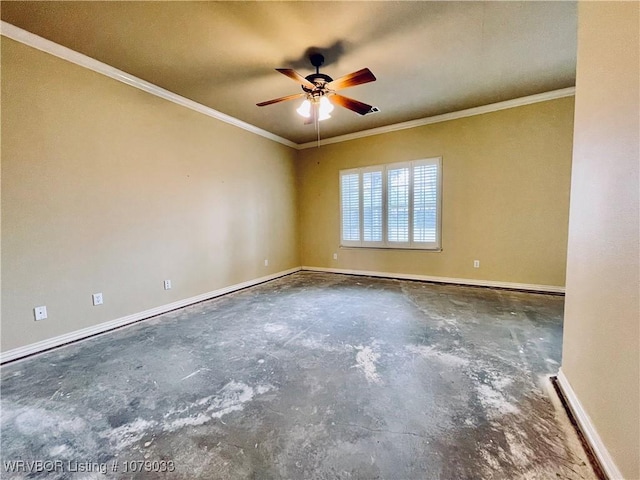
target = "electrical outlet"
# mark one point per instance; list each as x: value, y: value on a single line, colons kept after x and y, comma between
x: 167, y: 284
x: 335, y: 256
x: 40, y: 313
x: 97, y: 299
x: 476, y: 264
x: 266, y: 262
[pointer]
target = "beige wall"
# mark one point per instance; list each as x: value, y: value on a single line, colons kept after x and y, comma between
x: 506, y: 179
x: 601, y: 351
x: 108, y: 189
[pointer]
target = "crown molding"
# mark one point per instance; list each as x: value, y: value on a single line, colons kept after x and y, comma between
x: 27, y: 38
x: 470, y: 112
x: 18, y: 34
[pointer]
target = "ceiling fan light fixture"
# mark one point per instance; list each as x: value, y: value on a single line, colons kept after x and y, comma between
x: 304, y: 109
x: 317, y: 87
x: 325, y: 107
x: 323, y: 116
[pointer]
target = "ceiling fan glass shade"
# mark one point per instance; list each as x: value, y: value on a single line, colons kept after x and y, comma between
x: 325, y: 107
x: 323, y: 116
x: 304, y: 110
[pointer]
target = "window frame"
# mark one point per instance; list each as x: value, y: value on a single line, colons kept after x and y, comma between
x: 350, y: 243
x: 435, y: 246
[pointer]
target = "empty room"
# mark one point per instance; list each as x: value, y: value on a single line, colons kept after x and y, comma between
x: 320, y: 240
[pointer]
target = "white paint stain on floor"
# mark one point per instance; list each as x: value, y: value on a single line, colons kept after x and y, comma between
x: 495, y: 401
x: 277, y: 329
x: 366, y: 360
x: 129, y: 433
x: 31, y: 421
x: 430, y: 352
x: 231, y: 398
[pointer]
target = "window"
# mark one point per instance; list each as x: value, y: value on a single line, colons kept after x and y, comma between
x: 391, y: 206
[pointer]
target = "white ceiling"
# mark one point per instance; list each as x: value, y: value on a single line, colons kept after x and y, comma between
x: 429, y: 58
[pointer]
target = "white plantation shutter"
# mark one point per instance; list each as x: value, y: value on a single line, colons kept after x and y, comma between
x: 350, y: 200
x: 425, y: 202
x: 398, y: 204
x: 372, y: 205
x: 392, y: 206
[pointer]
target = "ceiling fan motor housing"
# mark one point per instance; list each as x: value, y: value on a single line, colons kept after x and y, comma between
x: 319, y: 80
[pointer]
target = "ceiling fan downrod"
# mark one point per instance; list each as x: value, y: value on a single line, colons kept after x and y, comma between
x: 318, y: 79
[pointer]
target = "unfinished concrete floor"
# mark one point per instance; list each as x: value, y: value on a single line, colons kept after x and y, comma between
x: 309, y: 376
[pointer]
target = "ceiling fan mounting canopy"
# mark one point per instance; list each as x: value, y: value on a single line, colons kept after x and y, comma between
x: 317, y: 85
x: 316, y: 59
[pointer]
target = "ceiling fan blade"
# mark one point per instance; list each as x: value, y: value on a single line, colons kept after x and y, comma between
x: 292, y: 74
x: 351, y: 104
x: 281, y: 99
x: 353, y: 79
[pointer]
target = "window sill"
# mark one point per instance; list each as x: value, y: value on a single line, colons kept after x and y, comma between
x: 412, y: 249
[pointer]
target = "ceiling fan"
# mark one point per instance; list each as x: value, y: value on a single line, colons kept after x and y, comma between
x: 318, y: 88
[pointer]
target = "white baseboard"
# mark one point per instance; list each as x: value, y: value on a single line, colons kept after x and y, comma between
x: 58, y: 341
x: 428, y: 278
x: 588, y: 430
